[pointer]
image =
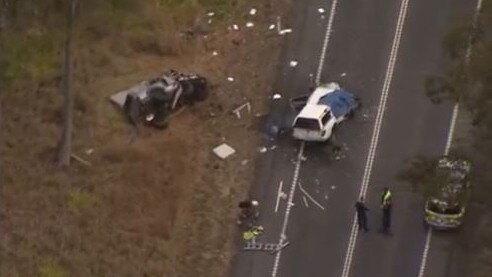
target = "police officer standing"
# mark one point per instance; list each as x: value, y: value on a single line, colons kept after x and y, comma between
x: 386, y: 205
x: 361, y: 209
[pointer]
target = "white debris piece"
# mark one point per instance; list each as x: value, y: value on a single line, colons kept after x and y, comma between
x: 235, y: 27
x: 343, y: 74
x: 262, y: 149
x: 271, y: 27
x: 273, y: 147
x: 252, y: 11
x: 215, y: 53
x: 230, y: 79
x: 89, y: 151
x: 321, y: 10
x: 210, y: 14
x: 333, y: 187
x: 223, y: 151
x: 250, y: 24
x: 293, y: 63
x: 305, y: 201
x: 244, y: 162
x: 210, y: 21
x: 276, y: 96
x: 285, y: 31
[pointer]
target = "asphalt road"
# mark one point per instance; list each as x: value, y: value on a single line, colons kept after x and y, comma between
x: 356, y: 57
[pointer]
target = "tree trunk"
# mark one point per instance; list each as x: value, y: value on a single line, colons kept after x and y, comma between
x: 65, y: 144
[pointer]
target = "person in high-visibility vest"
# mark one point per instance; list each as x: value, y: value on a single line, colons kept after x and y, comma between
x: 386, y: 205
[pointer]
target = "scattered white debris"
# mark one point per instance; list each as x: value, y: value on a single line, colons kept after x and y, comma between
x: 321, y: 10
x: 79, y: 159
x: 273, y: 147
x: 303, y: 158
x: 343, y: 74
x: 250, y: 24
x: 310, y: 197
x: 293, y: 63
x: 262, y: 149
x: 252, y: 11
x: 237, y: 111
x: 285, y: 31
x: 333, y: 187
x: 305, y: 201
x: 244, y: 162
x: 215, y: 53
x: 89, y: 151
x: 230, y: 79
x: 210, y: 14
x: 209, y: 21
x: 276, y: 96
x: 223, y: 151
x: 279, y: 195
x: 271, y: 27
x: 235, y: 27
x: 283, y: 195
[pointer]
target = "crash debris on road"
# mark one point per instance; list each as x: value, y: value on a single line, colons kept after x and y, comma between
x: 152, y: 102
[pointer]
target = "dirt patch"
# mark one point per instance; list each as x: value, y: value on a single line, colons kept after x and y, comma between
x: 152, y: 203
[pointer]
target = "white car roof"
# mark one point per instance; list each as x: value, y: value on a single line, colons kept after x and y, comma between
x: 321, y: 91
x: 313, y: 111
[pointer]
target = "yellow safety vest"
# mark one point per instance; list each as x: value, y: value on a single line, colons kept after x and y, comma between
x: 386, y: 197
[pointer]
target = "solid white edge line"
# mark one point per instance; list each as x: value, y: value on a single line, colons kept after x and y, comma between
x: 452, y: 126
x: 376, y: 131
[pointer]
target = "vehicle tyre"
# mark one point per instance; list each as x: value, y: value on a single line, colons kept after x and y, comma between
x: 188, y: 92
x: 200, y: 90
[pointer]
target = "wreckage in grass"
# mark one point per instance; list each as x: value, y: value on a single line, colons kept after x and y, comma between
x: 151, y: 102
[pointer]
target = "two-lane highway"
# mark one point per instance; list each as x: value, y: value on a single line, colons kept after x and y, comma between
x: 382, y: 51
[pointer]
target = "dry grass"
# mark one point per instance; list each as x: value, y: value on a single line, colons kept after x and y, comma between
x: 161, y: 206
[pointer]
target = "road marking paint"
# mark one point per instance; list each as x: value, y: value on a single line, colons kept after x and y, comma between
x: 310, y: 197
x: 300, y: 156
x: 452, y: 127
x: 279, y: 194
x: 425, y: 253
x: 376, y: 131
x: 305, y: 201
x: 283, y: 237
x: 329, y: 27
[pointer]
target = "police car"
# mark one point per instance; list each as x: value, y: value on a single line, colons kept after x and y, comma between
x: 445, y: 207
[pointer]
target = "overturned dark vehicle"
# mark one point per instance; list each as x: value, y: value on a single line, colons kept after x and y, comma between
x: 151, y: 102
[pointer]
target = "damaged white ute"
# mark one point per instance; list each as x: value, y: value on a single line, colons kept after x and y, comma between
x: 327, y: 106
